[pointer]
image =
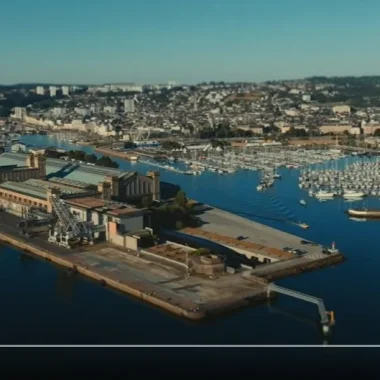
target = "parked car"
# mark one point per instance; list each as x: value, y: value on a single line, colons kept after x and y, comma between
x: 306, y: 242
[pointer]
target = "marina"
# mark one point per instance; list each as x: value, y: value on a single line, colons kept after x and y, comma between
x: 352, y: 181
x: 227, y: 160
x: 230, y: 160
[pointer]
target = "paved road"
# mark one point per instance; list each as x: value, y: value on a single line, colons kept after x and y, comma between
x: 225, y: 223
x: 8, y: 224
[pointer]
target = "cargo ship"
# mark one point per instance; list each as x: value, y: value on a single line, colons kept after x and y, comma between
x: 364, y: 213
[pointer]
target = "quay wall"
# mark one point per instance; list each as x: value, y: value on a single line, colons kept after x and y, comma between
x: 114, y: 153
x: 302, y: 268
x: 126, y: 288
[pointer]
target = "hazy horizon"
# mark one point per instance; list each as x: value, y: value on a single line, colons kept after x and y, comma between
x: 156, y: 41
x: 184, y: 84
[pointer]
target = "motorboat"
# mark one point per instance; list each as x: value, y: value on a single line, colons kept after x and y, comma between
x: 322, y: 194
x: 353, y: 194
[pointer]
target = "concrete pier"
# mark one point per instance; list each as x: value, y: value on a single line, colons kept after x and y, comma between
x: 143, y: 277
x: 262, y: 242
x: 166, y: 286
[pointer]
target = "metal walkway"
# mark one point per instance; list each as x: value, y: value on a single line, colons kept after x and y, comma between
x: 302, y: 296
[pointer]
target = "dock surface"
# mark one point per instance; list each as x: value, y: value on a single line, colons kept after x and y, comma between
x: 223, y: 228
x: 167, y: 286
x: 228, y: 224
x: 153, y: 281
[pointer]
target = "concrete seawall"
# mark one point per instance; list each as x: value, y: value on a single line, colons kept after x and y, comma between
x: 133, y: 288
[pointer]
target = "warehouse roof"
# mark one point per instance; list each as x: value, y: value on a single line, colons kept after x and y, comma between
x: 87, y: 202
x: 24, y: 188
x: 65, y: 189
x: 67, y: 169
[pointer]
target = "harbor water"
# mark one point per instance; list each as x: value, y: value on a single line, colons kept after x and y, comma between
x: 41, y: 303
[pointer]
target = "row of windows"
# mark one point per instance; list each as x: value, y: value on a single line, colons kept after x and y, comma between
x: 19, y: 175
x: 21, y: 200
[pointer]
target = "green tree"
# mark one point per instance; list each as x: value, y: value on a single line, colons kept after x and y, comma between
x: 146, y: 202
x: 180, y: 199
x: 179, y: 225
x: 169, y: 145
x: 107, y: 162
x: 202, y: 252
x: 91, y: 158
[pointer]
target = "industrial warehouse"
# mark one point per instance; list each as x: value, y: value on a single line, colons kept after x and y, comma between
x: 79, y: 202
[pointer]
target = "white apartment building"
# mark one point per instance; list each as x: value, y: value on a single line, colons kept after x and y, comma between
x: 341, y: 109
x: 57, y: 111
x: 109, y: 109
x: 40, y: 90
x: 82, y: 111
x: 65, y: 90
x: 19, y: 113
x: 53, y: 91
x: 129, y: 105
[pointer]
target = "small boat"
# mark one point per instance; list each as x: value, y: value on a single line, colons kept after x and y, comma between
x: 364, y: 213
x: 302, y: 202
x: 304, y: 226
x: 323, y: 194
x: 353, y: 194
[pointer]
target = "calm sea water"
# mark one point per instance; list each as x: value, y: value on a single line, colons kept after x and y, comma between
x: 40, y: 303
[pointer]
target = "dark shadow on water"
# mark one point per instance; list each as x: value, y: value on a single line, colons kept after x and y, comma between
x: 226, y: 314
x: 299, y: 318
x: 66, y: 282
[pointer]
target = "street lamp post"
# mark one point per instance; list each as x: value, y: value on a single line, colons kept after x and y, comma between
x: 187, y: 264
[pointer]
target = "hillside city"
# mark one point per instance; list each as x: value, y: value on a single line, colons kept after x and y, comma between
x: 278, y: 109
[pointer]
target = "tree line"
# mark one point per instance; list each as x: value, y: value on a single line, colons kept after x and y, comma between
x: 79, y: 155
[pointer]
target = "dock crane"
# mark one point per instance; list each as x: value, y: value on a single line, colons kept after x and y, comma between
x: 68, y: 228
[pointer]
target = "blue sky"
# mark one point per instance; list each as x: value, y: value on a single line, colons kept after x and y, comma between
x: 188, y: 41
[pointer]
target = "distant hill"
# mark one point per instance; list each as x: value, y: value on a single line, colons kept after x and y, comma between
x: 367, y: 80
x: 34, y: 85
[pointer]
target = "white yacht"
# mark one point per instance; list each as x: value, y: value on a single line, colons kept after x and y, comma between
x: 323, y: 194
x: 353, y: 194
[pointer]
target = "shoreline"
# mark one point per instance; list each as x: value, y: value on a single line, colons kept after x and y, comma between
x: 103, y: 280
x: 143, y: 291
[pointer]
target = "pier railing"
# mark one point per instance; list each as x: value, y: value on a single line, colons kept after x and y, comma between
x: 304, y: 297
